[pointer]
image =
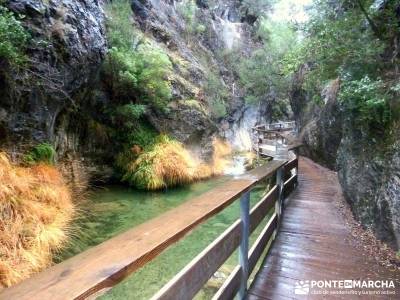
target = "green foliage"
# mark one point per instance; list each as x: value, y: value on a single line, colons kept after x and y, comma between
x: 120, y: 30
x: 134, y: 69
x: 200, y: 28
x: 143, y: 135
x: 261, y: 74
x: 194, y: 104
x: 154, y: 69
x: 339, y: 44
x: 188, y: 10
x: 141, y: 74
x: 367, y: 101
x: 43, y: 152
x: 13, y: 37
x: 218, y: 108
x: 350, y: 40
x: 121, y: 68
x: 129, y: 127
x: 217, y: 95
x: 128, y: 115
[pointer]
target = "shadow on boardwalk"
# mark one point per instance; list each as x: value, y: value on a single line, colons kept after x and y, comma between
x: 314, y: 243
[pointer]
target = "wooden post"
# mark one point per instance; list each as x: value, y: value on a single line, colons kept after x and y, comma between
x: 244, y: 244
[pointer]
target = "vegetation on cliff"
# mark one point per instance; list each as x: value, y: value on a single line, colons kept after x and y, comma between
x: 35, y: 202
x: 41, y: 153
x: 35, y: 213
x: 167, y: 163
x: 136, y: 70
x: 137, y: 73
x: 13, y: 37
x: 355, y: 41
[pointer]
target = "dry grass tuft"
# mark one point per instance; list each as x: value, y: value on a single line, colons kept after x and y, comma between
x: 35, y: 212
x: 169, y: 164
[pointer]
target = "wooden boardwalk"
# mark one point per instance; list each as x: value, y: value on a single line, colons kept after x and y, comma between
x: 314, y: 243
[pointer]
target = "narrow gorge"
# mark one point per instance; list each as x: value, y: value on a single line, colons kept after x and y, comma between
x: 113, y: 112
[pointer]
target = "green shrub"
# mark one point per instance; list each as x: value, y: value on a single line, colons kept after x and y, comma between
x: 141, y: 74
x: 121, y: 69
x: 134, y: 68
x: 43, y: 153
x: 218, y: 108
x: 128, y: 115
x: 154, y: 69
x: 120, y: 30
x: 188, y: 10
x: 13, y: 37
x: 367, y: 102
x: 261, y: 73
x: 129, y: 128
x: 143, y: 135
x: 192, y: 103
x: 217, y: 95
x: 200, y: 28
x: 337, y: 41
x: 131, y: 111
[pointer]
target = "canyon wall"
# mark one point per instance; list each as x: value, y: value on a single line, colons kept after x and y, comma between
x: 60, y: 97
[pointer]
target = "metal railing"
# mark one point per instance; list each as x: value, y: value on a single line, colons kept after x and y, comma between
x: 101, y: 267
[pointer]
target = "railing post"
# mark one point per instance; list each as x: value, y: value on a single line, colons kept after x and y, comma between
x: 244, y: 244
x: 279, y: 185
x: 296, y: 170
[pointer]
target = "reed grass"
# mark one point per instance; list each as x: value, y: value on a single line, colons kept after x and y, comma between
x: 170, y: 164
x: 35, y: 212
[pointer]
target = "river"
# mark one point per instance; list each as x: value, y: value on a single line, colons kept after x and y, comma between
x: 112, y: 210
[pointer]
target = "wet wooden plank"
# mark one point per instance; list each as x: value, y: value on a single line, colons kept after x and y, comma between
x: 314, y: 243
x: 108, y: 263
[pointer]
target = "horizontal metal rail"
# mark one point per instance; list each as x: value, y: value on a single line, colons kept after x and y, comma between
x: 192, y: 278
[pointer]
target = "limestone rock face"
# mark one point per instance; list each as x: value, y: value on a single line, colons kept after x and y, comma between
x: 199, y: 51
x: 61, y: 98
x: 369, y: 173
x: 67, y: 47
x: 368, y: 167
x: 320, y: 123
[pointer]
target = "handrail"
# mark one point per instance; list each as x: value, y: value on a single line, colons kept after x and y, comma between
x: 189, y: 281
x: 105, y: 265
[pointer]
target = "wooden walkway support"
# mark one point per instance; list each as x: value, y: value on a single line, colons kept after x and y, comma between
x: 275, y: 140
x: 314, y: 244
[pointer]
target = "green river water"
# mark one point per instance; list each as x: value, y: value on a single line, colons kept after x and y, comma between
x: 115, y: 209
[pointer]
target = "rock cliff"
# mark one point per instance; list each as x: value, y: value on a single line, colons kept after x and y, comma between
x: 60, y: 96
x: 368, y: 166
